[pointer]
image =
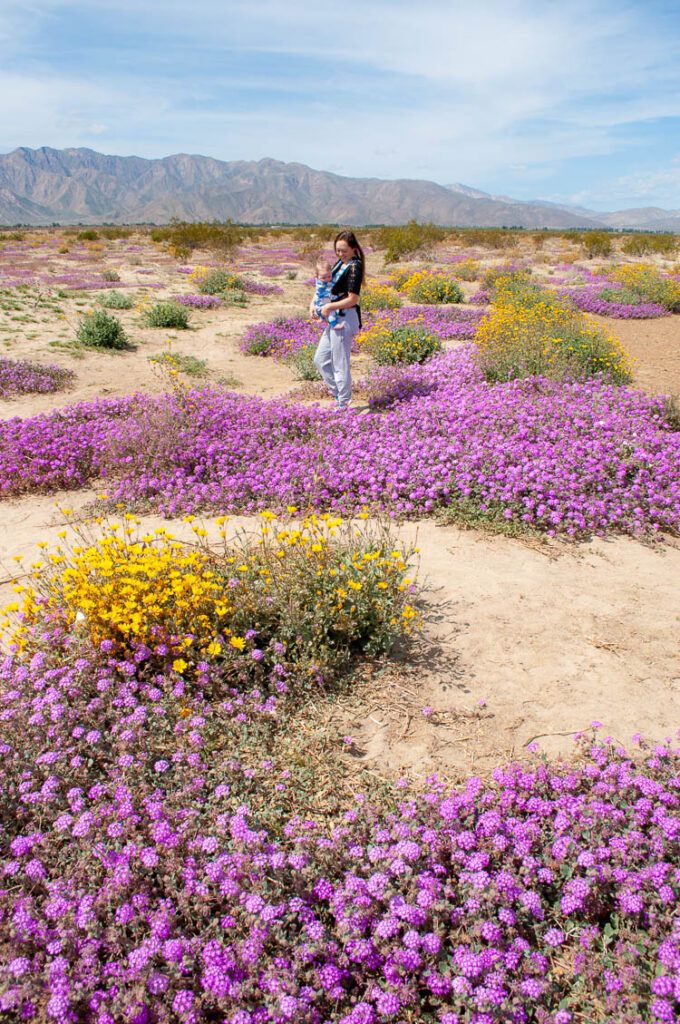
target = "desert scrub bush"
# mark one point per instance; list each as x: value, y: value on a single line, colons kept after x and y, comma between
x: 379, y: 296
x: 301, y: 362
x: 167, y: 314
x: 506, y: 271
x: 234, y: 297
x: 596, y: 243
x: 468, y: 270
x: 535, y: 334
x: 99, y: 329
x: 112, y: 232
x: 398, y: 278
x: 319, y: 590
x: 432, y: 287
x: 390, y: 345
x: 636, y: 245
x: 213, y: 280
x: 184, y: 237
x: 408, y: 239
x: 116, y: 300
x: 89, y: 235
x: 645, y: 280
x: 110, y: 275
x: 489, y: 238
x: 176, y: 361
x: 665, y: 244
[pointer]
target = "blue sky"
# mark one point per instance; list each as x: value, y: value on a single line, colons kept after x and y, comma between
x: 575, y: 102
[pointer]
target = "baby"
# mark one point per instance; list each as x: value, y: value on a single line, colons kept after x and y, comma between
x: 322, y: 293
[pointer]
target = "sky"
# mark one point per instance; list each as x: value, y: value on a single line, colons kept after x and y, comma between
x: 571, y: 102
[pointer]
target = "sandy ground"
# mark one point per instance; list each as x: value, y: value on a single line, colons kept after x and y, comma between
x: 521, y: 640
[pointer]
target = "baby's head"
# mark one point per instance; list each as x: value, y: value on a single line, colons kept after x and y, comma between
x: 323, y: 270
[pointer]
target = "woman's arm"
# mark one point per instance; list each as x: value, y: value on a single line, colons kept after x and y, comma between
x: 352, y: 299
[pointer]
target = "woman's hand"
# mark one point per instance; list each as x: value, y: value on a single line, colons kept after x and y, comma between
x: 326, y: 310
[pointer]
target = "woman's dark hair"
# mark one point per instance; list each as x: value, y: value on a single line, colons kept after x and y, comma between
x: 348, y: 236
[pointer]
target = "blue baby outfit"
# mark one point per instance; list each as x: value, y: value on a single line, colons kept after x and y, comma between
x: 322, y: 295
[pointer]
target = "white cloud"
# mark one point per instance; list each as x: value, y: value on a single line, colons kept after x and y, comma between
x: 659, y: 186
x: 450, y: 91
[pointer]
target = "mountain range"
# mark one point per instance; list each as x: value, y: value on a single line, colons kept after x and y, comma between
x: 81, y: 186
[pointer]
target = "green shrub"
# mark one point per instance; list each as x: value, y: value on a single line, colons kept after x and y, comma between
x: 596, y: 243
x: 166, y: 314
x: 489, y: 238
x: 89, y: 235
x: 101, y: 330
x: 116, y: 300
x: 234, y: 297
x: 624, y: 296
x: 185, y: 237
x: 408, y: 239
x: 467, y: 270
x: 508, y: 272
x: 636, y: 245
x: 214, y: 281
x: 390, y: 346
x: 301, y: 362
x: 665, y: 244
x: 112, y: 231
x: 111, y: 275
x: 258, y: 344
x: 190, y: 365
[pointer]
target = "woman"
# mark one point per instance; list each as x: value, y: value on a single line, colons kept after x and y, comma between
x: 332, y: 355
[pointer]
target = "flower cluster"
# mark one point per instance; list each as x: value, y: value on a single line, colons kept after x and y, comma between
x: 530, y: 333
x: 20, y: 377
x: 152, y: 871
x: 432, y: 286
x: 573, y: 457
x: 391, y: 345
x: 379, y: 296
x: 613, y: 302
x: 279, y: 338
x: 198, y: 301
x: 457, y: 323
x: 649, y: 283
x: 260, y: 288
x: 320, y: 586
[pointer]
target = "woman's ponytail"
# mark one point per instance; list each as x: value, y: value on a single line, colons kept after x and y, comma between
x: 348, y: 236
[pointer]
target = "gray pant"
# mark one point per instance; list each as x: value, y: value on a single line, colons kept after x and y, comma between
x: 332, y: 356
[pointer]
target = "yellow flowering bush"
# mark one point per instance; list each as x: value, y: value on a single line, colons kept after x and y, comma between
x: 468, y: 270
x: 432, y: 287
x: 319, y: 588
x: 645, y: 280
x: 213, y: 280
x: 505, y: 276
x: 398, y: 278
x: 530, y: 333
x: 379, y: 296
x: 390, y: 344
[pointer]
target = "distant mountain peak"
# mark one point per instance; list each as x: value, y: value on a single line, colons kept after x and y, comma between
x: 78, y: 184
